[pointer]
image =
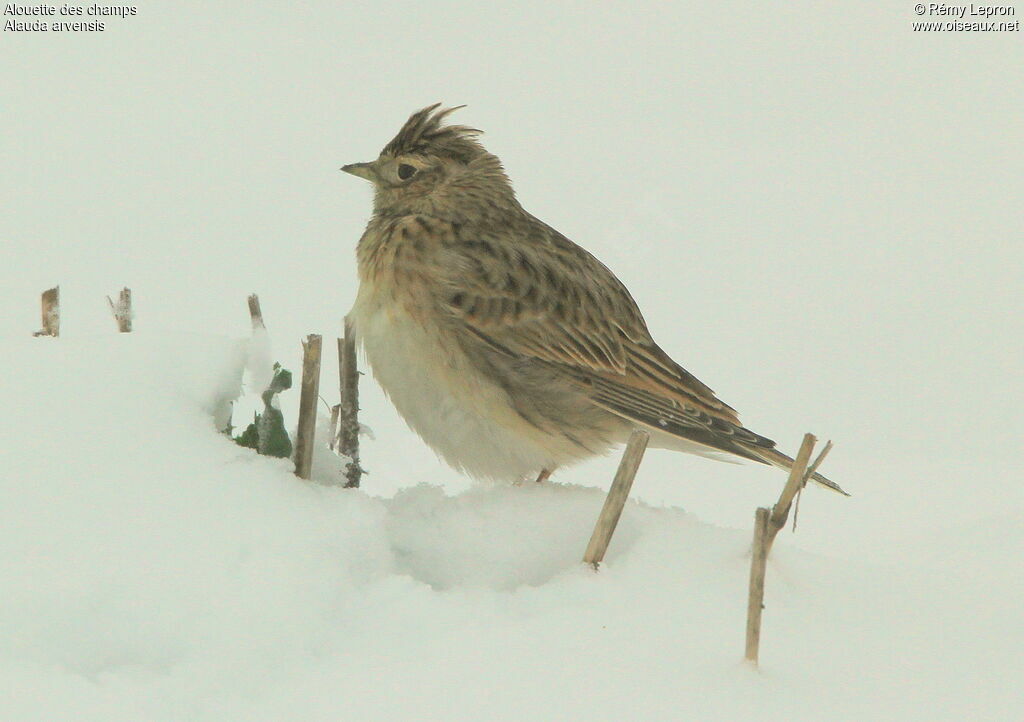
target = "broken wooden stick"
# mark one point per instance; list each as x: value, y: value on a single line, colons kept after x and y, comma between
x: 347, y: 441
x: 616, y: 499
x: 755, y: 596
x: 335, y: 411
x: 767, y: 523
x: 51, y: 313
x: 122, y: 310
x: 255, y: 312
x: 306, y: 431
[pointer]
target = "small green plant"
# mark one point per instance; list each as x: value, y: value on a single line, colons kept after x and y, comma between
x: 266, y: 433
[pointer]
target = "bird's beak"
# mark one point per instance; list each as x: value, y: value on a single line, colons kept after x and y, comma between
x: 367, y: 171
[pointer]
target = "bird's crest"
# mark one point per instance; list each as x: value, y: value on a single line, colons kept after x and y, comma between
x: 423, y: 134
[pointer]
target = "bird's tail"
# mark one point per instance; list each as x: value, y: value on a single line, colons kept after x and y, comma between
x: 777, y: 458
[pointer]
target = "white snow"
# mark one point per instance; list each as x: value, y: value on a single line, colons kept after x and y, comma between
x: 818, y: 211
x: 154, y: 570
x: 260, y: 363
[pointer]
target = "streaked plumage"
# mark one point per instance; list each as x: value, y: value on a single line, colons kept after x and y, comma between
x: 506, y: 346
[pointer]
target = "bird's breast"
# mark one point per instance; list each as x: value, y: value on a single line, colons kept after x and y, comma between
x: 402, y: 250
x: 463, y: 414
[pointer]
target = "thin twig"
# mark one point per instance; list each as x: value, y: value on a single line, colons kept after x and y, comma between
x: 306, y: 431
x: 335, y: 412
x: 807, y: 477
x: 780, y: 512
x: 755, y: 596
x: 51, y: 313
x: 767, y: 524
x: 813, y: 468
x: 347, y: 442
x: 122, y: 310
x: 255, y: 312
x: 616, y: 499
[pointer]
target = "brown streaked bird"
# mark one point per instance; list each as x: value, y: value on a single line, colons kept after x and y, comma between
x: 508, y: 348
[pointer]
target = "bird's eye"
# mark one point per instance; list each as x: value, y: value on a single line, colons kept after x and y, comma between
x: 405, y: 171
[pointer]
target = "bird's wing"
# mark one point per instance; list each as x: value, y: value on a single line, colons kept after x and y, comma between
x: 552, y: 301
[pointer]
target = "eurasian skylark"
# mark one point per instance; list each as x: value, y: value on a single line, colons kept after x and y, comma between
x: 508, y: 348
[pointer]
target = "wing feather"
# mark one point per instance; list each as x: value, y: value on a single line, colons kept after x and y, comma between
x: 561, y: 306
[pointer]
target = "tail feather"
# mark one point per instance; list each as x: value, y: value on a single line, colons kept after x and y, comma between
x: 777, y: 458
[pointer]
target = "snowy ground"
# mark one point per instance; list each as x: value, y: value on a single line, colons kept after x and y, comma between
x: 817, y: 210
x: 152, y: 570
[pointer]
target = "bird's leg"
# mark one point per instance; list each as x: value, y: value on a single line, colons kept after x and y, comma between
x: 544, y: 475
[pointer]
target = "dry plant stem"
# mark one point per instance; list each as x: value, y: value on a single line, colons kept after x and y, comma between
x: 335, y: 412
x: 767, y: 523
x: 51, y: 313
x: 780, y: 512
x: 255, y: 312
x: 813, y: 468
x: 616, y: 498
x: 122, y: 310
x: 755, y: 598
x: 348, y: 416
x: 807, y: 477
x: 307, y: 406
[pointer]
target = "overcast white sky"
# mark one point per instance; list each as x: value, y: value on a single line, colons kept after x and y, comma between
x: 818, y: 210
